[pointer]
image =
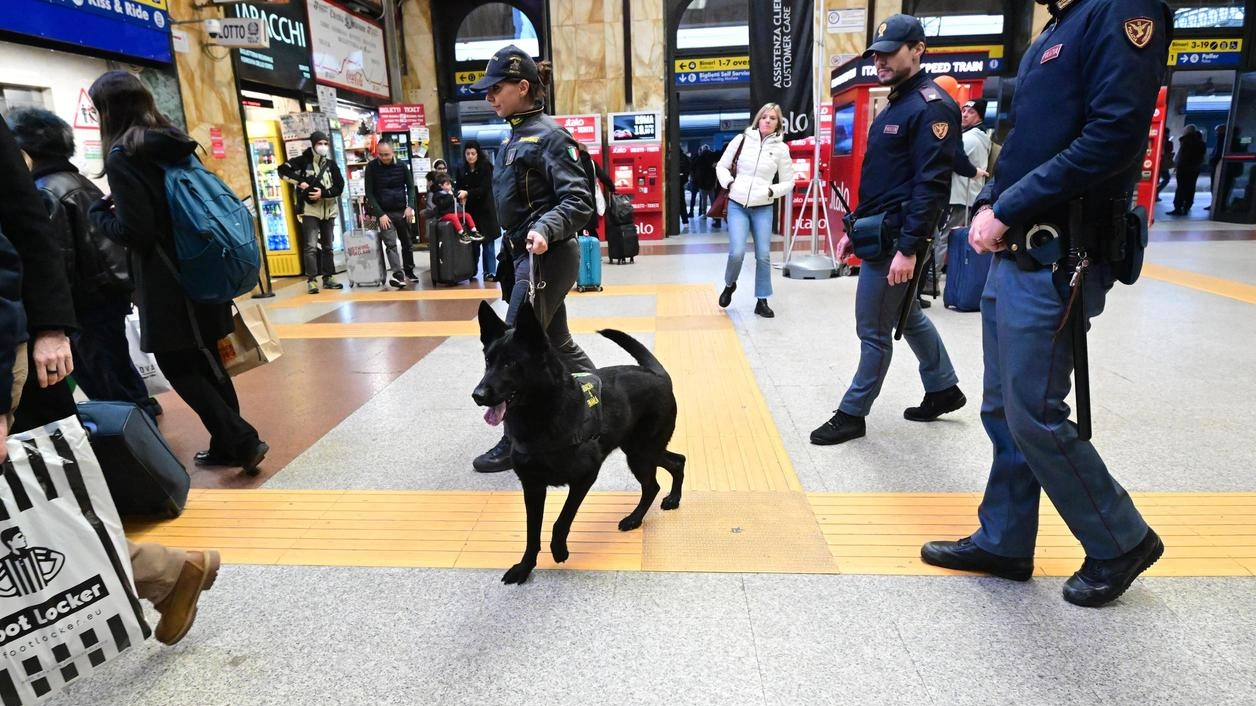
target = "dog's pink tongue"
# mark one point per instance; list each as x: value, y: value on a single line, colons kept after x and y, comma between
x: 495, y: 415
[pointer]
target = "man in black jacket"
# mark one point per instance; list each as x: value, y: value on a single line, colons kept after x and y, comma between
x: 319, y: 184
x: 100, y: 279
x: 1190, y: 158
x: 390, y: 197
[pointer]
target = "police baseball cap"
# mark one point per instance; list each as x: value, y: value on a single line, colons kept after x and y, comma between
x: 510, y: 63
x: 894, y: 32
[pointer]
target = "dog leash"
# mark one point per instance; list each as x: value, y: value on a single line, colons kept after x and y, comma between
x: 535, y: 281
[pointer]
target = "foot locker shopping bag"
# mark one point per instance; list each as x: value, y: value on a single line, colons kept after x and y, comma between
x: 67, y: 596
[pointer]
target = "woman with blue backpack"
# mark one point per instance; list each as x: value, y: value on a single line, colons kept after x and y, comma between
x: 141, y: 145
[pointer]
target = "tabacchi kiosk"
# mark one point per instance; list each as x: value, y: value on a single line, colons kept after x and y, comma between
x: 858, y: 98
x: 635, y: 164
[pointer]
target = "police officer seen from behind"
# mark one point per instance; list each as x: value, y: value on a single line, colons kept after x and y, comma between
x: 543, y: 200
x: 1084, y: 100
x: 906, y: 177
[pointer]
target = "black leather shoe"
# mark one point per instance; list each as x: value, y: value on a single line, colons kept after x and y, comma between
x: 255, y: 458
x: 965, y: 555
x: 726, y: 296
x: 762, y: 309
x: 936, y: 404
x: 495, y: 460
x: 841, y: 428
x: 209, y: 458
x: 924, y: 303
x: 1101, y: 581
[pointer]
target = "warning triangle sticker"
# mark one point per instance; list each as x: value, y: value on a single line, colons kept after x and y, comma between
x: 85, y: 117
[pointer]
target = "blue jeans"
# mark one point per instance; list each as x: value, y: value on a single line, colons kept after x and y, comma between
x: 755, y: 221
x: 1036, y: 447
x: 876, y: 313
x: 488, y: 256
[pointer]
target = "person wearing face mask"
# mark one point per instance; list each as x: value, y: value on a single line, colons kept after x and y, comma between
x: 905, y: 181
x: 543, y: 200
x: 756, y: 156
x: 319, y: 183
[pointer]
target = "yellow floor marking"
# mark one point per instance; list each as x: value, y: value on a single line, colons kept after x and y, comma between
x: 421, y: 329
x: 359, y: 295
x: 1211, y: 534
x: 1204, y: 283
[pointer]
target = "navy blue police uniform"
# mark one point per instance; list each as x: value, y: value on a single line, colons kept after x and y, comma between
x: 1086, y: 91
x: 906, y: 175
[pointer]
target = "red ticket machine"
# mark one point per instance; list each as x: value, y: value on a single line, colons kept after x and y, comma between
x: 587, y: 129
x: 1151, y: 160
x: 803, y: 154
x: 635, y: 164
x: 857, y: 98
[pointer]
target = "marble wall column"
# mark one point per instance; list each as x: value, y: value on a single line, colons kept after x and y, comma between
x: 418, y: 81
x: 208, y: 88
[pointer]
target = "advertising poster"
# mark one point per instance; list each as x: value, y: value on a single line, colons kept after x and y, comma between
x: 348, y: 50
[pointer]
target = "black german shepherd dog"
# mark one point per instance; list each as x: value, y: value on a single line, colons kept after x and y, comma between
x: 563, y: 426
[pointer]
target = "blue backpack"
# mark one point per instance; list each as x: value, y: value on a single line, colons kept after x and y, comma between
x: 217, y: 252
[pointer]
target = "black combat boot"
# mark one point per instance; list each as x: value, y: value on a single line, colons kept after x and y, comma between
x: 841, y: 428
x: 965, y: 555
x: 936, y: 404
x: 1101, y: 581
x: 496, y: 459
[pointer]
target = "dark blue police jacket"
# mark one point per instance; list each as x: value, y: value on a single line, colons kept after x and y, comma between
x: 911, y: 147
x: 1085, y: 95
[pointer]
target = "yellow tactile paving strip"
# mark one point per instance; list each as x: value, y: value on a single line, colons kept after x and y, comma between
x: 1204, y: 283
x: 744, y: 509
x: 1206, y: 534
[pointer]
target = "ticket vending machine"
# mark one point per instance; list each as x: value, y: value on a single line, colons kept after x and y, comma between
x: 635, y: 164
x: 858, y: 98
x: 587, y: 129
x: 1150, y: 173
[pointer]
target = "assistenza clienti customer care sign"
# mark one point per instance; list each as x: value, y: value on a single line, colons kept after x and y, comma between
x: 348, y: 50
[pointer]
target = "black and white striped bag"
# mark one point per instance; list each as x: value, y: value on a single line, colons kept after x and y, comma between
x: 67, y: 593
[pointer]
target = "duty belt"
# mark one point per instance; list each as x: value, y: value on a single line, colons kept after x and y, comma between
x: 1036, y: 247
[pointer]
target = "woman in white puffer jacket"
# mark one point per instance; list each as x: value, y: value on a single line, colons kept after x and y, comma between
x: 760, y: 153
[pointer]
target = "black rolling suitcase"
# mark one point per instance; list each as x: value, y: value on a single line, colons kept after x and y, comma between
x: 452, y: 261
x: 144, y: 476
x: 622, y: 243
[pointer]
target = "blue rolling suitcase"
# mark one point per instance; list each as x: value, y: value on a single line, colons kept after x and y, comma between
x: 145, y: 477
x: 589, y: 278
x: 966, y: 273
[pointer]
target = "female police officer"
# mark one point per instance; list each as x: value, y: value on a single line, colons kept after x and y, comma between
x: 542, y: 201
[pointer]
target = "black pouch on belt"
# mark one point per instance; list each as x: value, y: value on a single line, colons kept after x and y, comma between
x: 1127, y: 269
x: 870, y: 238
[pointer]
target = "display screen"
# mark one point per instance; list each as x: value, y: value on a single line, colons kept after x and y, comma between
x: 286, y: 63
x: 634, y: 126
x: 843, y: 129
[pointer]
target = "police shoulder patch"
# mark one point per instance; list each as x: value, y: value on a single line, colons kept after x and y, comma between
x: 940, y: 129
x: 1139, y: 31
x: 573, y: 153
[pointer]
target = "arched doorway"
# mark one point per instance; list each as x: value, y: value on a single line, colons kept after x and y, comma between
x: 709, y: 91
x: 467, y: 34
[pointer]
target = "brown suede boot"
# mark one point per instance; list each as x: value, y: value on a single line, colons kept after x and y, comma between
x: 178, y: 609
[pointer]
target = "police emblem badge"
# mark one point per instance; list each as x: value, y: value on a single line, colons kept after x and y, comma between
x: 940, y: 129
x: 1139, y: 31
x: 881, y: 30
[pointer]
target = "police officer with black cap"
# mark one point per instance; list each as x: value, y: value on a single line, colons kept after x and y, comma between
x: 1058, y: 216
x: 543, y: 200
x: 904, y: 187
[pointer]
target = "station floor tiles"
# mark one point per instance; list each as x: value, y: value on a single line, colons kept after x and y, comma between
x: 744, y: 509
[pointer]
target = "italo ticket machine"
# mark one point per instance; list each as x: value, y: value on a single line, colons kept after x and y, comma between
x: 803, y: 154
x: 1150, y: 173
x: 635, y: 164
x: 587, y: 129
x: 858, y: 98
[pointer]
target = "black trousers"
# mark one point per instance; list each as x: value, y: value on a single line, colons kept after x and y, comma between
x: 1186, y: 182
x: 102, y: 358
x: 41, y: 405
x: 558, y: 268
x: 317, y: 235
x: 201, y: 380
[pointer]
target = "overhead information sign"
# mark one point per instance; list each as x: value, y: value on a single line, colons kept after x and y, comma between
x: 464, y: 79
x: 713, y: 70
x: 1201, y: 53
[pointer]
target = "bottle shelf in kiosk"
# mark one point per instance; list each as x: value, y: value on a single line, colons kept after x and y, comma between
x: 635, y: 164
x: 587, y: 129
x: 276, y: 211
